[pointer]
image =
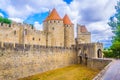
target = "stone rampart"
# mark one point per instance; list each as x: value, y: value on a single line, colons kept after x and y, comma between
x: 96, y: 63
x: 18, y: 60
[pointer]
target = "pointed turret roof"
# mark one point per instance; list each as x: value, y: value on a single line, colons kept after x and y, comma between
x: 67, y: 20
x: 53, y: 16
x: 83, y: 29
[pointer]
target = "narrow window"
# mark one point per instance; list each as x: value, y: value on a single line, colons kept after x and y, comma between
x: 25, y: 32
x: 32, y: 27
x: 9, y: 25
x: 53, y: 28
x: 14, y: 32
x: 33, y: 38
x: 1, y: 24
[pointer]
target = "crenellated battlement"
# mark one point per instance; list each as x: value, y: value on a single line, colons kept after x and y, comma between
x: 54, y: 32
x: 39, y: 32
x: 90, y: 44
x: 55, y: 21
x: 13, y: 25
x: 25, y: 51
x: 22, y: 60
x: 27, y: 47
x: 4, y: 25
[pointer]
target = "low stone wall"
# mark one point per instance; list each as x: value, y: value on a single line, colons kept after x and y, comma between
x: 102, y: 72
x: 98, y: 63
x: 18, y: 61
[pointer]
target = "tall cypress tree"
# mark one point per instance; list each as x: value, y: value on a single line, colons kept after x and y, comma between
x: 115, y: 25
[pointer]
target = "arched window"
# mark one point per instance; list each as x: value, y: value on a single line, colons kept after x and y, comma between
x: 99, y: 53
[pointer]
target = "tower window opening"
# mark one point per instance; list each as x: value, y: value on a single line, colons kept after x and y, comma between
x: 25, y: 31
x: 53, y: 28
x: 33, y: 38
x: 9, y: 25
x: 14, y: 32
x: 1, y: 24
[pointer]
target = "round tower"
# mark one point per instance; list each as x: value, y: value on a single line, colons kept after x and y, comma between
x: 68, y: 32
x: 54, y: 28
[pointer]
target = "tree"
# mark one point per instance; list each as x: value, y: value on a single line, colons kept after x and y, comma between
x: 108, y: 53
x: 115, y: 25
x: 116, y: 49
x: 5, y: 20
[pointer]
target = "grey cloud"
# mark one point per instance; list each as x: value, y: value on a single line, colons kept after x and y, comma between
x: 96, y: 32
x: 81, y: 11
x: 95, y: 10
x: 91, y: 15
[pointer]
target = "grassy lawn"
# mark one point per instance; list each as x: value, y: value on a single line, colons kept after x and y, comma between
x: 73, y: 72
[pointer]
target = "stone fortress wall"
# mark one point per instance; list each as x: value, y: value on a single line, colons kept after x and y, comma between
x: 92, y: 50
x: 55, y: 33
x: 22, y: 60
x: 22, y: 34
x: 18, y: 60
x: 25, y: 51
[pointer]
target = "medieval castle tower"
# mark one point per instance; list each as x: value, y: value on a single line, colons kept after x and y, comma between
x: 56, y: 32
x: 83, y: 36
x: 25, y: 51
x: 60, y: 30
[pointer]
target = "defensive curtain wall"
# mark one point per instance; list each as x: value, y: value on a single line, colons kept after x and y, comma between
x: 90, y: 54
x: 22, y: 34
x: 18, y: 60
x: 25, y: 51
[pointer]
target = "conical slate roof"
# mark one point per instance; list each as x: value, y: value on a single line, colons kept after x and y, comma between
x: 67, y: 20
x: 53, y: 16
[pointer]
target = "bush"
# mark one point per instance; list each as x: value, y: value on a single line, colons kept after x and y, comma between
x: 108, y: 53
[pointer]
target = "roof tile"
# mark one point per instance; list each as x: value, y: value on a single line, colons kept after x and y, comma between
x: 53, y: 16
x: 67, y: 20
x: 83, y: 29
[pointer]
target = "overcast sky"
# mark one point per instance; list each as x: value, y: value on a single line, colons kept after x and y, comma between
x: 94, y: 14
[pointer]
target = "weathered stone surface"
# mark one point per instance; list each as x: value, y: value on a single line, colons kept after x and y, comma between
x: 98, y: 63
x: 20, y: 63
